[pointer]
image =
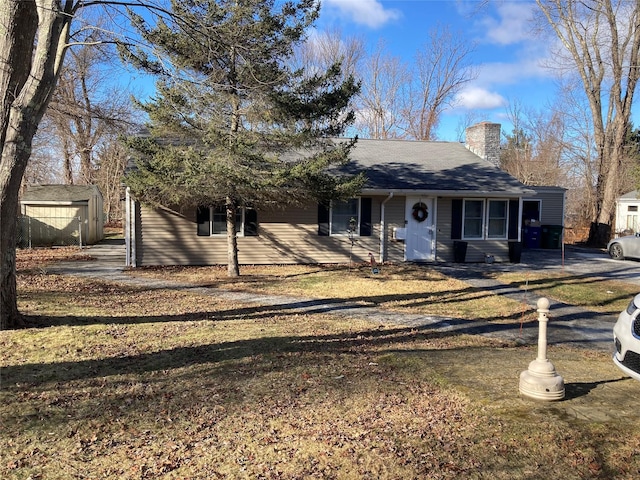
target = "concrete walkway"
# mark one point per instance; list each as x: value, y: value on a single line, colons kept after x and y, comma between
x: 568, y: 324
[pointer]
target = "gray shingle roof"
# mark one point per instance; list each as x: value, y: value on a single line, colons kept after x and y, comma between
x: 428, y: 166
x: 59, y: 193
x: 635, y: 195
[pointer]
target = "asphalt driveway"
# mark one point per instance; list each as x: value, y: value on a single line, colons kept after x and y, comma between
x: 574, y: 260
x: 568, y: 324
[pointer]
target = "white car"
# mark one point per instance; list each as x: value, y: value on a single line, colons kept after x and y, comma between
x: 626, y: 336
x: 624, y: 247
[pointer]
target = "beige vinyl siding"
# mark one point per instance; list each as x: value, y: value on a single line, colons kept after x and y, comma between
x: 477, y: 250
x: 444, y: 244
x: 48, y: 224
x: 52, y: 215
x: 289, y: 236
x: 394, y: 218
x: 169, y: 237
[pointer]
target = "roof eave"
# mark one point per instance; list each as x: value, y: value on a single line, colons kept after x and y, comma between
x: 64, y: 203
x: 450, y: 193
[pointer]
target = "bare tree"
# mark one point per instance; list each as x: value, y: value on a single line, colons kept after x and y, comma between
x: 36, y: 35
x: 86, y: 108
x: 602, y: 40
x: 443, y: 68
x: 320, y: 51
x: 379, y: 102
x: 32, y: 49
x: 534, y: 150
x: 45, y: 162
x: 466, y: 121
x: 580, y: 164
x: 111, y: 161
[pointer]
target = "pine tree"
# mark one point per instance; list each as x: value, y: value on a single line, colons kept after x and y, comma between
x: 232, y: 124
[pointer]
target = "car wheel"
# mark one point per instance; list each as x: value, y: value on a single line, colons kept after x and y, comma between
x: 615, y: 251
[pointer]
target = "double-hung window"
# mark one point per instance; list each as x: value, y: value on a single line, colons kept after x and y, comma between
x: 632, y: 217
x: 339, y: 218
x: 473, y: 215
x: 345, y: 217
x: 497, y: 217
x: 212, y: 221
x: 485, y: 219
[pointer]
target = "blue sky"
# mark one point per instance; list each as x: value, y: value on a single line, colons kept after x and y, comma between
x: 508, y: 57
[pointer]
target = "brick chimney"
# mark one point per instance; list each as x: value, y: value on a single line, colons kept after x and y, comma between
x: 483, y: 139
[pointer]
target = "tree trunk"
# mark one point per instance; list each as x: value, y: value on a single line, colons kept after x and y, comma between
x: 67, y: 166
x: 233, y: 268
x: 86, y: 170
x: 15, y: 154
x: 29, y: 70
x: 603, y: 39
x: 608, y: 188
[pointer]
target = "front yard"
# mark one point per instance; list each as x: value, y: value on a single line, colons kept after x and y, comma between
x: 125, y: 382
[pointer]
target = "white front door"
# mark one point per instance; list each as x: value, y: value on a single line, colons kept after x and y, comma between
x: 420, y: 217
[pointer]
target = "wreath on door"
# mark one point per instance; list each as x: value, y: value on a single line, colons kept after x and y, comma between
x: 420, y: 212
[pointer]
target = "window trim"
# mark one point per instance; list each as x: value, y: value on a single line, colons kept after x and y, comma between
x: 240, y: 232
x: 482, y: 219
x: 485, y: 218
x: 505, y: 234
x: 356, y: 232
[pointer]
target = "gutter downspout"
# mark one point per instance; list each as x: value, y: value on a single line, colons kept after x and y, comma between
x: 130, y: 230
x: 383, y: 249
x: 127, y: 227
x: 520, y: 207
x: 134, y: 254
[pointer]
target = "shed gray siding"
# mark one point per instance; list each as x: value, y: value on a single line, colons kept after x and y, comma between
x: 552, y: 199
x: 476, y: 249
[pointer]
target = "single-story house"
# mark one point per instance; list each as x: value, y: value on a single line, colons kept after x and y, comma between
x: 627, y: 214
x: 61, y: 215
x: 423, y: 202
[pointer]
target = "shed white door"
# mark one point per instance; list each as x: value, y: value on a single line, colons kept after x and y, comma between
x: 419, y: 242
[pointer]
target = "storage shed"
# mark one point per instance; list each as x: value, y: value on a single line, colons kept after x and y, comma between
x: 627, y: 208
x: 60, y: 215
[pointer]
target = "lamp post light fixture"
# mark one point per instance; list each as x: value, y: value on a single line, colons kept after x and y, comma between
x: 541, y: 381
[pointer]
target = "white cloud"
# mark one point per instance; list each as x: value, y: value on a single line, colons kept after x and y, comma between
x: 365, y: 12
x: 511, y: 73
x: 513, y: 24
x: 476, y: 98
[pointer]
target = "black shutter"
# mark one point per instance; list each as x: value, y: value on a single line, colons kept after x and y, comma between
x: 250, y: 223
x: 323, y: 220
x: 514, y: 215
x: 456, y: 218
x: 365, y: 217
x: 203, y: 220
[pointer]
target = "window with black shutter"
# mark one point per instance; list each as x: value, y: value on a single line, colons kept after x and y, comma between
x: 212, y: 221
x: 346, y: 216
